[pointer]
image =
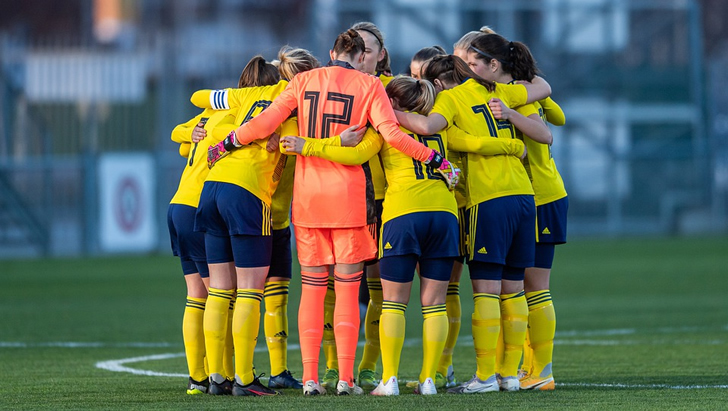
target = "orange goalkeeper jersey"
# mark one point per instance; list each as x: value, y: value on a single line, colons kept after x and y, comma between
x: 330, y: 100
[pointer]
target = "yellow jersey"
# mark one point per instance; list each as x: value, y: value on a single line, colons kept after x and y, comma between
x: 539, y: 163
x: 281, y: 200
x: 465, y: 105
x: 412, y: 186
x: 195, y: 171
x: 375, y: 164
x: 251, y: 167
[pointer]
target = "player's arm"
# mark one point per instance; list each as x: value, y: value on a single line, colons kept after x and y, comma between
x: 459, y: 140
x: 266, y: 122
x: 531, y: 126
x: 383, y: 119
x: 553, y: 112
x: 224, y: 99
x: 350, y: 156
x: 537, y: 89
x: 183, y: 132
x: 184, y: 149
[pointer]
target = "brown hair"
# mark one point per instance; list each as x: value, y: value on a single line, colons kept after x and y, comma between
x: 452, y: 69
x: 383, y: 65
x: 427, y: 53
x: 412, y: 94
x: 258, y: 72
x: 515, y: 57
x: 349, y: 42
x: 294, y: 61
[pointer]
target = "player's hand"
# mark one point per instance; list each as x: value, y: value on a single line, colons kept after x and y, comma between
x: 272, y: 145
x: 499, y: 109
x: 293, y: 144
x: 199, y: 133
x: 352, y: 136
x: 221, y: 149
x: 445, y: 168
x: 450, y: 173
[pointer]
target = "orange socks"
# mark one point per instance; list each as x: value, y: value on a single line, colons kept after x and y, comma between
x: 311, y: 321
x: 346, y: 321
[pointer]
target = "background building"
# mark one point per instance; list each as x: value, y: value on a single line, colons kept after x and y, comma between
x: 91, y: 89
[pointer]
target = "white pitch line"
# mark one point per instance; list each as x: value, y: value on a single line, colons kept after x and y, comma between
x: 667, y: 386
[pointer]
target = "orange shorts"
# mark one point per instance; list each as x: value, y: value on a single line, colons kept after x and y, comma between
x: 327, y: 246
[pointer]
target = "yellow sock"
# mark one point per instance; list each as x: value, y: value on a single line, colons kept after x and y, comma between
x: 215, y: 325
x: 527, y: 350
x: 542, y: 323
x: 276, y: 324
x: 486, y: 328
x: 246, y: 323
x: 229, y: 350
x: 500, y: 349
x: 514, y: 317
x: 452, y: 303
x: 371, y: 351
x: 391, y: 336
x: 329, y: 342
x: 434, y: 336
x: 193, y: 336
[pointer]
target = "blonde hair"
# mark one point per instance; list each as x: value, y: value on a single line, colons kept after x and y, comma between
x: 412, y: 94
x: 295, y: 60
x: 467, y: 38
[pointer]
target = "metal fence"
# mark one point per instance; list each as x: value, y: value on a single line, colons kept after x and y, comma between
x: 643, y: 150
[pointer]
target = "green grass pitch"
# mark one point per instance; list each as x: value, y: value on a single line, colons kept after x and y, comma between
x: 642, y: 324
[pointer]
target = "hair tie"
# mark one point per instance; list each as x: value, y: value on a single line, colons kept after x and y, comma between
x: 510, y: 46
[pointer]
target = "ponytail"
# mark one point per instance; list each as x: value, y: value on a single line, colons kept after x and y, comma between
x: 515, y: 57
x: 295, y: 60
x: 258, y: 72
x: 453, y: 70
x: 412, y: 94
x: 349, y: 43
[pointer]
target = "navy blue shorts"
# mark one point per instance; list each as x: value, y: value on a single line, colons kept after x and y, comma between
x: 401, y: 268
x: 227, y: 210
x: 551, y: 219
x: 432, y: 234
x: 281, y: 258
x: 187, y: 244
x: 247, y: 251
x: 502, y: 231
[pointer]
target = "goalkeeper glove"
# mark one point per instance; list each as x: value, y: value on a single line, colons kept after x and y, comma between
x: 447, y: 170
x: 221, y: 149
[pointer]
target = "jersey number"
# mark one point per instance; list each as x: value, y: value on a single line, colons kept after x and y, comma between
x: 493, y: 124
x: 327, y: 119
x: 419, y: 167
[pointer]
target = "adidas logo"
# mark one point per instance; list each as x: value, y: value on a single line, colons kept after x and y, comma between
x: 328, y: 327
x: 546, y: 231
x: 281, y: 334
x: 375, y: 322
x: 387, y: 246
x: 482, y: 251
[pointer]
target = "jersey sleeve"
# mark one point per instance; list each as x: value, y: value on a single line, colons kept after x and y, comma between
x: 445, y: 107
x: 459, y: 140
x: 184, y: 149
x: 351, y: 156
x: 382, y: 118
x: 183, y: 132
x: 527, y: 110
x: 513, y: 95
x: 553, y: 112
x: 268, y: 121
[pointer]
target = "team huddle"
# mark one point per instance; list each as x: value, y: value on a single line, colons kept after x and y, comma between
x: 380, y: 177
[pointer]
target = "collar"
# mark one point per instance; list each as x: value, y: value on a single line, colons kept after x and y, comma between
x: 340, y: 63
